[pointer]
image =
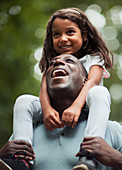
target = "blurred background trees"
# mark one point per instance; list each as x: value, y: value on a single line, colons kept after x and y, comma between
x: 22, y: 31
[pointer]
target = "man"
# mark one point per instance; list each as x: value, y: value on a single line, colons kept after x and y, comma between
x: 56, y: 149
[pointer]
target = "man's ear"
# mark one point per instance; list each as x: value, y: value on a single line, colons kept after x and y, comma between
x: 84, y: 80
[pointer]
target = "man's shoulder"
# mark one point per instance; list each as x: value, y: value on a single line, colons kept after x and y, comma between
x: 113, y: 135
x: 113, y: 125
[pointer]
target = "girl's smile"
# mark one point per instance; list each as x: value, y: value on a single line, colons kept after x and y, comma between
x: 66, y: 36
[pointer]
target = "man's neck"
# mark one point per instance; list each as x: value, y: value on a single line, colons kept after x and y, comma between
x: 60, y: 105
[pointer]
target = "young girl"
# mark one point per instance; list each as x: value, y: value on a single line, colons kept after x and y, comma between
x: 69, y: 31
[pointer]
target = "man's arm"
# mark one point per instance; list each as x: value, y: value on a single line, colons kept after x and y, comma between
x: 102, y: 152
x: 14, y: 146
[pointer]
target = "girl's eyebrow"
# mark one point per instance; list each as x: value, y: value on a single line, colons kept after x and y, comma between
x: 54, y: 31
x: 65, y: 28
x: 70, y: 28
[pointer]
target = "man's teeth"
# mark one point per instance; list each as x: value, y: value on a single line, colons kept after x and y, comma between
x: 60, y: 72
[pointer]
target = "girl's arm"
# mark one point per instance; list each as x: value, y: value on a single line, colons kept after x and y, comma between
x: 50, y: 115
x: 73, y: 112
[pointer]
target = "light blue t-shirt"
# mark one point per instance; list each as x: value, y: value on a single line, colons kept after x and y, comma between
x: 55, y: 150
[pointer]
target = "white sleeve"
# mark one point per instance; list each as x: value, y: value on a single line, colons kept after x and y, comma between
x: 89, y: 61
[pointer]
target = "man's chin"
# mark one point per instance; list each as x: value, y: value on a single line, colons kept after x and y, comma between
x: 59, y: 89
x: 59, y: 81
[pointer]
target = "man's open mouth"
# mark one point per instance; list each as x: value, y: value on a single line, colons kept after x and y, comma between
x: 59, y: 72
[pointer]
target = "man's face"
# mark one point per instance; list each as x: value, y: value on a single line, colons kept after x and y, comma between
x: 64, y: 74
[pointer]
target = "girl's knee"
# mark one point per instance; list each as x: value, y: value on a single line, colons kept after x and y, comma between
x: 99, y: 93
x: 24, y: 101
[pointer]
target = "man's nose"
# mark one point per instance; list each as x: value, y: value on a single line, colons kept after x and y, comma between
x: 59, y: 62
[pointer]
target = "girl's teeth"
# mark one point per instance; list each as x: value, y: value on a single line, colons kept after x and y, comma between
x: 65, y: 47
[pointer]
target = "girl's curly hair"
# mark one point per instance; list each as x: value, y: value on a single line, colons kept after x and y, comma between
x: 93, y: 46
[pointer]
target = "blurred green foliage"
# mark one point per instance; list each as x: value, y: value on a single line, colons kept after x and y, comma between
x: 18, y: 22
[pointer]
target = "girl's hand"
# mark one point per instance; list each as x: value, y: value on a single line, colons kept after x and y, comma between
x: 51, y: 119
x: 14, y: 146
x: 70, y: 115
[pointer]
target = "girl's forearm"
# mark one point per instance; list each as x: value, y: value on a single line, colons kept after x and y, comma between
x: 43, y: 94
x: 81, y: 99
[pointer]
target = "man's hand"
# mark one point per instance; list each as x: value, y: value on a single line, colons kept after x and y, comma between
x: 70, y: 115
x: 51, y: 119
x: 11, y: 147
x: 102, y: 151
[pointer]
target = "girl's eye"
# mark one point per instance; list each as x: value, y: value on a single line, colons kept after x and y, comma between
x: 56, y: 34
x: 69, y: 60
x: 71, y: 31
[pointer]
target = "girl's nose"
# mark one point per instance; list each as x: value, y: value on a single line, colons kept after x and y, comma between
x: 63, y: 38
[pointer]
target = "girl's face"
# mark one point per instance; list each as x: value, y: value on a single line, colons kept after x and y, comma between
x: 67, y: 38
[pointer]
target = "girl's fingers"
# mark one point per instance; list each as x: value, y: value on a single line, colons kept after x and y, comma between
x: 67, y: 120
x: 51, y: 124
x: 28, y: 158
x: 48, y: 127
x: 24, y: 153
x: 56, y: 121
x: 75, y: 121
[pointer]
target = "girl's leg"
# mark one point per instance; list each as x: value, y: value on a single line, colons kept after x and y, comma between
x: 98, y: 101
x: 26, y: 109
